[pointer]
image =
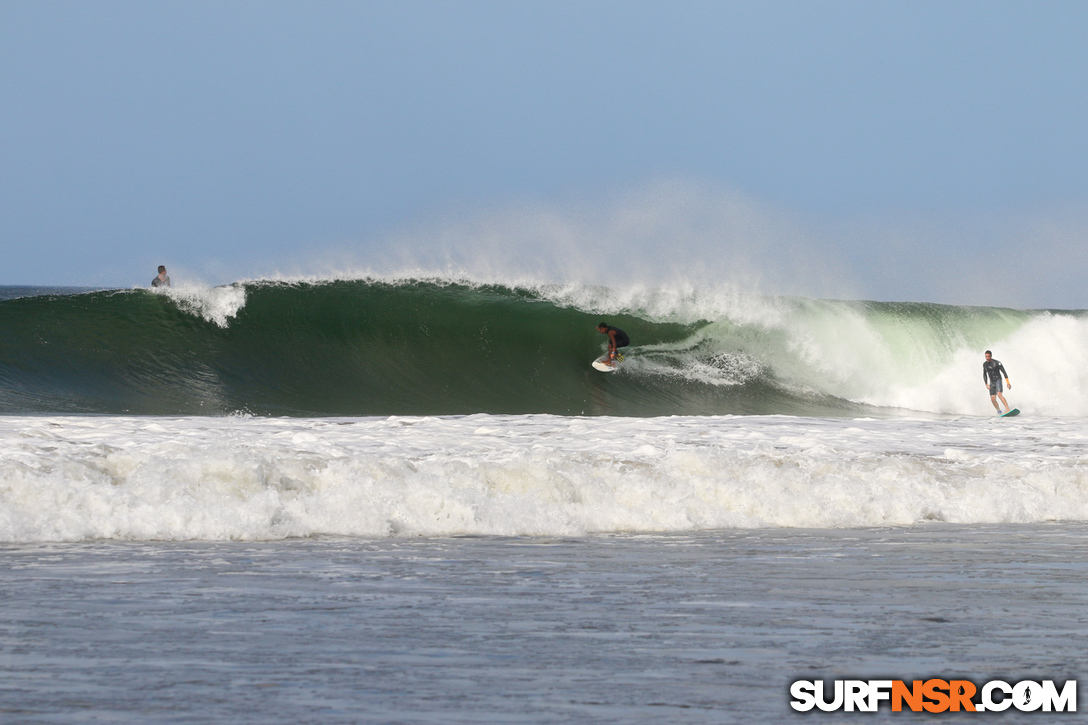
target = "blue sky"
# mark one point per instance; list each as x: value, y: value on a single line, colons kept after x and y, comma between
x: 910, y: 150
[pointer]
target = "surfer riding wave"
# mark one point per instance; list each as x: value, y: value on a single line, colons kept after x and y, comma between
x: 992, y: 372
x: 617, y: 338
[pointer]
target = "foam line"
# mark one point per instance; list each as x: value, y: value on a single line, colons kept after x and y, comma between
x: 81, y: 478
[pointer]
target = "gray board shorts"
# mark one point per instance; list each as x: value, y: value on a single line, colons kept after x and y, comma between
x: 995, y: 387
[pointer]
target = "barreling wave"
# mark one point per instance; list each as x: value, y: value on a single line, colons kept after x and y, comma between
x: 437, y: 346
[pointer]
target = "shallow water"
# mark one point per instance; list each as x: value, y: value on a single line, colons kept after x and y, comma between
x: 695, y: 627
x: 530, y: 569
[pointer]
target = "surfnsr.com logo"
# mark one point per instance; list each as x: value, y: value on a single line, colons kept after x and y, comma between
x: 934, y: 696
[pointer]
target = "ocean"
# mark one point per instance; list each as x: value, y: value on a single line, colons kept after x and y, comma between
x: 411, y: 500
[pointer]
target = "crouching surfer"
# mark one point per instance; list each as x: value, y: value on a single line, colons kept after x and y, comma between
x: 617, y: 338
x: 992, y: 372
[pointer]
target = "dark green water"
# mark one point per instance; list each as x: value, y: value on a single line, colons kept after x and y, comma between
x: 410, y: 348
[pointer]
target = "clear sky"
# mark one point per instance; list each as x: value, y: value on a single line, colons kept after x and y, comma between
x: 895, y: 150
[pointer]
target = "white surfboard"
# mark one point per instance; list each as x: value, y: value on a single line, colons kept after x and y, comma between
x: 605, y: 365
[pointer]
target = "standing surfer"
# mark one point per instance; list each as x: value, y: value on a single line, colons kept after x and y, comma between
x: 992, y: 372
x: 617, y: 338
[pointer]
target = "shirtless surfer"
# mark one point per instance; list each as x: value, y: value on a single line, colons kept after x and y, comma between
x: 617, y: 338
x: 992, y: 372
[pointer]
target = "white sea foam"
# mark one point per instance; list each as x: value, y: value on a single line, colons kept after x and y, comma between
x: 214, y: 304
x: 913, y: 357
x: 903, y: 365
x: 78, y: 478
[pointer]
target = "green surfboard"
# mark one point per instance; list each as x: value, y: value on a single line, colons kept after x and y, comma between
x: 1011, y: 413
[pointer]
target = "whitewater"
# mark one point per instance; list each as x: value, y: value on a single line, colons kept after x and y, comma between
x: 410, y: 499
x: 89, y: 478
x: 429, y: 406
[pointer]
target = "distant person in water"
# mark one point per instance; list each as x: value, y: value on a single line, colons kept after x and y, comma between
x: 617, y: 338
x: 162, y: 280
x: 992, y: 372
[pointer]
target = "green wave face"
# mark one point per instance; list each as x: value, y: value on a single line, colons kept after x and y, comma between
x: 359, y: 348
